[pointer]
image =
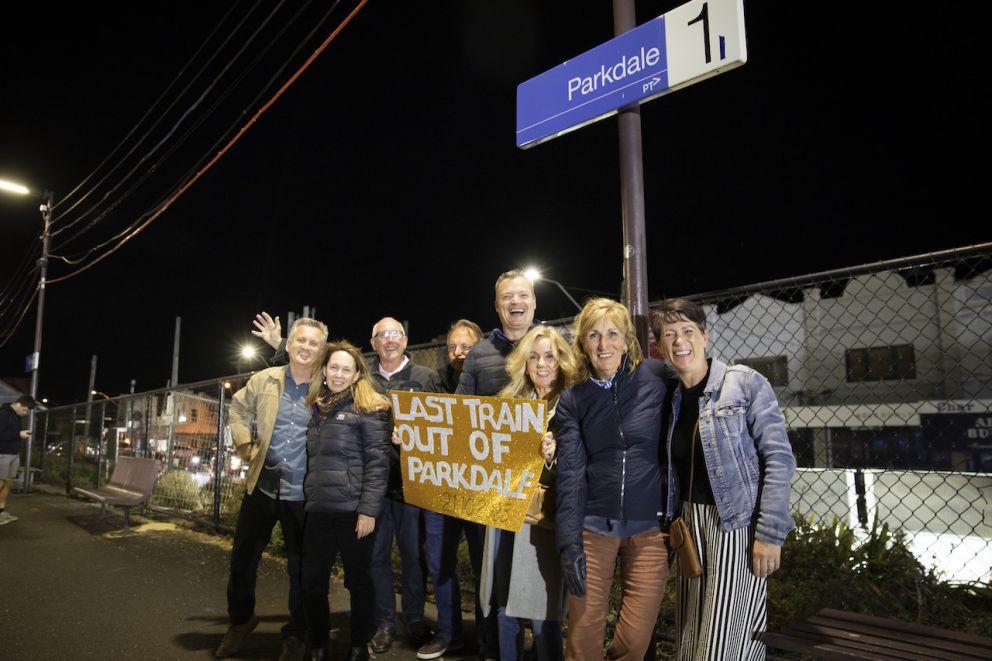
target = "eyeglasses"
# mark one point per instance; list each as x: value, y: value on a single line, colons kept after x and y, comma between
x: 390, y: 334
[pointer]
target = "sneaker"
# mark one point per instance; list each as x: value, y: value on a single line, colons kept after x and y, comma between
x: 6, y: 517
x: 419, y: 634
x: 236, y: 634
x: 293, y: 649
x: 383, y: 639
x: 437, y: 647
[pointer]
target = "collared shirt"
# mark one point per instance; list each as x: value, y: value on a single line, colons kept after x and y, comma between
x: 387, y: 375
x: 286, y: 460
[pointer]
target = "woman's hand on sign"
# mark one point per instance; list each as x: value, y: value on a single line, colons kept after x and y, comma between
x: 548, y: 446
x: 396, y: 437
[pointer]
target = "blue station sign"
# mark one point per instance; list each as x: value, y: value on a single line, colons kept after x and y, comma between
x: 689, y: 43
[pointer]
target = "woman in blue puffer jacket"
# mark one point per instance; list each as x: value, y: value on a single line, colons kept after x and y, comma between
x: 731, y: 467
x: 610, y: 486
x: 347, y: 471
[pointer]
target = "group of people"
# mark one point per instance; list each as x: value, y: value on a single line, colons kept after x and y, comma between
x: 632, y: 442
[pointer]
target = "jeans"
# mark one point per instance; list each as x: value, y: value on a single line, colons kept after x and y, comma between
x: 326, y: 535
x: 402, y: 521
x: 443, y: 536
x: 256, y: 519
x: 547, y: 638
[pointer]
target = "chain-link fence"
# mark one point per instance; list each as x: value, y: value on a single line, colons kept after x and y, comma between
x: 184, y: 428
x: 884, y: 373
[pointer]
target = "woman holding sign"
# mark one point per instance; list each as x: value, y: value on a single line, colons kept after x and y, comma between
x: 723, y: 421
x: 347, y: 471
x: 521, y: 574
x: 610, y: 486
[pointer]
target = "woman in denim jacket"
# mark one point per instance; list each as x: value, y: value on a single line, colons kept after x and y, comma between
x: 729, y: 475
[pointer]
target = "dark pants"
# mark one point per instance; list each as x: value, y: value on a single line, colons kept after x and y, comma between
x: 326, y: 535
x: 443, y: 536
x: 256, y: 519
x: 404, y: 522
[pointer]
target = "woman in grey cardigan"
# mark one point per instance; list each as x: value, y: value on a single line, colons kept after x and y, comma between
x: 521, y: 573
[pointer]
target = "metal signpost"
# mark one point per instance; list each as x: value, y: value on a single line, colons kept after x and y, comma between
x: 688, y: 44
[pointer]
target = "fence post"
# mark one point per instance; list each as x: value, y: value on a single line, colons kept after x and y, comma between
x: 221, y: 460
x: 859, y: 489
x: 99, y: 445
x: 72, y: 451
x: 44, y: 444
x: 148, y: 415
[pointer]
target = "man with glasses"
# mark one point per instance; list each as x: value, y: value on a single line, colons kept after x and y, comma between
x: 392, y: 369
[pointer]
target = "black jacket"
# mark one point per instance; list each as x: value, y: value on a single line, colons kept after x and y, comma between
x: 413, y: 378
x: 485, y: 368
x: 608, y: 451
x: 10, y: 430
x: 448, y: 378
x: 347, y: 464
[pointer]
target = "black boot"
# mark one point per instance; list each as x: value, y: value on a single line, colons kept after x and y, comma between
x: 360, y: 653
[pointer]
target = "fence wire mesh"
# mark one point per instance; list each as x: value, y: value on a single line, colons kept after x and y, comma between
x: 884, y: 373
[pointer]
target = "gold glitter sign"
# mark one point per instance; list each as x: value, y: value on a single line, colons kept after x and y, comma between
x: 476, y: 458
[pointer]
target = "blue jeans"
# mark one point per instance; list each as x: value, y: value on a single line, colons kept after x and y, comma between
x: 402, y: 521
x: 443, y: 536
x: 547, y: 638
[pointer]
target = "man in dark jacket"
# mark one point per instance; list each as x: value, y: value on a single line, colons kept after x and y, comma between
x: 11, y: 436
x: 484, y: 374
x: 392, y: 369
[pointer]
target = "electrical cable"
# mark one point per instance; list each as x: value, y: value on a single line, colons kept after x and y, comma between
x: 161, y: 118
x: 185, y: 186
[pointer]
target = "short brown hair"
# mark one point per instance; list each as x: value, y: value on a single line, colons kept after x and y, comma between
x: 470, y: 326
x: 678, y: 309
x: 515, y: 273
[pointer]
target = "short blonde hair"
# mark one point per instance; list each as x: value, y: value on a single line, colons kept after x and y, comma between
x: 312, y: 323
x: 593, y: 312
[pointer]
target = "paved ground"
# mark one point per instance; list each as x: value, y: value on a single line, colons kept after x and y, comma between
x: 79, y: 587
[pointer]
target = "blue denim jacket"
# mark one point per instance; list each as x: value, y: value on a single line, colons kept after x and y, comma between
x: 747, y: 451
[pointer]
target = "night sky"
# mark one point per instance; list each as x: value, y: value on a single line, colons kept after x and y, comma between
x: 385, y: 181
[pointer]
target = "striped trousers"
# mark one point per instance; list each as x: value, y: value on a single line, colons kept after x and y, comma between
x: 719, y: 613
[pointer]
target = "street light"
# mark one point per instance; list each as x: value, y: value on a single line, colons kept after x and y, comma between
x: 534, y: 275
x: 48, y: 202
x: 246, y: 353
x: 101, y: 394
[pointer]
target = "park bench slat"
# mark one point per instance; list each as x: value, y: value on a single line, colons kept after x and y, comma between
x: 834, y: 634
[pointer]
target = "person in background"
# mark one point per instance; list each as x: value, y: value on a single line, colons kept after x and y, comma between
x: 521, y: 572
x: 268, y: 420
x: 723, y: 420
x: 462, y: 336
x: 345, y: 488
x: 11, y: 438
x: 610, y: 486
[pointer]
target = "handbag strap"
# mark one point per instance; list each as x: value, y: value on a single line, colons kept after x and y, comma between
x: 692, y: 457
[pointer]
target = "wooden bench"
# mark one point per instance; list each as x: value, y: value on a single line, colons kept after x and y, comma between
x: 131, y: 484
x: 835, y: 634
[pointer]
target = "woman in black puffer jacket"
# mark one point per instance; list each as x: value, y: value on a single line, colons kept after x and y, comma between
x: 347, y: 471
